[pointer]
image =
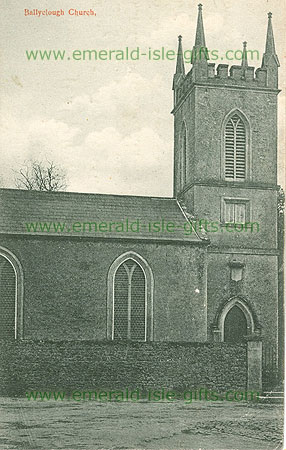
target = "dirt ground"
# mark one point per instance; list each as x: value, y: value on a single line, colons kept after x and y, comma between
x: 91, y: 425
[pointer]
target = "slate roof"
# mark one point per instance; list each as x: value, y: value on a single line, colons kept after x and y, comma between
x: 19, y: 208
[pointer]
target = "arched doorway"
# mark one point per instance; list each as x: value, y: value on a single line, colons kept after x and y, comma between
x: 235, y: 325
x: 235, y: 320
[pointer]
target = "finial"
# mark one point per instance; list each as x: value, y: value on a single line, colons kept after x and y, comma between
x: 244, y: 62
x: 180, y: 68
x: 270, y: 52
x: 200, y: 42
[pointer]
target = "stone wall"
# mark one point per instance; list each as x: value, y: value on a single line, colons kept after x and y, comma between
x: 86, y: 365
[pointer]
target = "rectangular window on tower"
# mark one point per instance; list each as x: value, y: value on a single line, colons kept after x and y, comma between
x: 235, y: 210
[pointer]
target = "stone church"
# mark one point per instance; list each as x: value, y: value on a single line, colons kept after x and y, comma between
x: 193, y: 272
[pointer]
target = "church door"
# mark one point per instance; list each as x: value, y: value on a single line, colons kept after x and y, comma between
x: 235, y: 326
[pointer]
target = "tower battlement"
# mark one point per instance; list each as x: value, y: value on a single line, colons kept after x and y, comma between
x: 222, y: 75
x: 241, y: 76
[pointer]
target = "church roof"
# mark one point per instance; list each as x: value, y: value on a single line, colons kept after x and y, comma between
x: 24, y: 212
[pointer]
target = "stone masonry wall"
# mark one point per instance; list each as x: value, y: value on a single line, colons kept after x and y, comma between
x: 86, y: 365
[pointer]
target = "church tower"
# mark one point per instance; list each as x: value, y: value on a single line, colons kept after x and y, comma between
x: 205, y: 102
x: 225, y: 176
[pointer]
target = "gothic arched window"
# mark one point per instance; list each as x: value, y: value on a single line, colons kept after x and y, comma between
x: 235, y: 148
x: 130, y: 291
x: 129, y: 302
x: 183, y: 157
x: 7, y: 299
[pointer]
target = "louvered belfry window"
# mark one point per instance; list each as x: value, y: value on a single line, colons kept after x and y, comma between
x: 235, y: 149
x: 129, y: 302
x: 7, y: 299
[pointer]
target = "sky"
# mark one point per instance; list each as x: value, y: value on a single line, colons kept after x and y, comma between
x: 108, y: 123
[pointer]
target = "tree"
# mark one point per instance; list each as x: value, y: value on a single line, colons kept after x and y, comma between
x: 41, y: 176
